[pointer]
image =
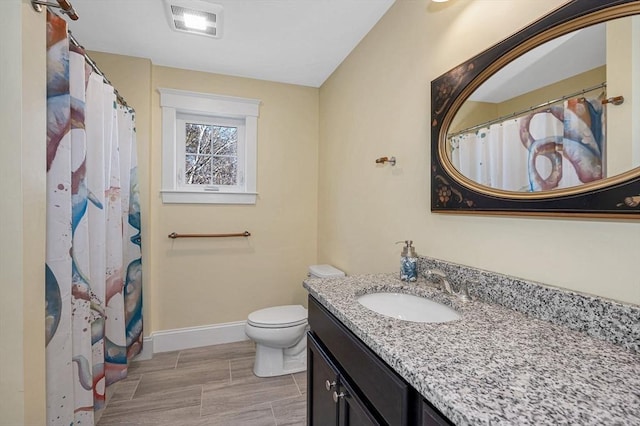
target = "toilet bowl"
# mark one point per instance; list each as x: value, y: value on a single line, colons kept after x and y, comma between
x: 279, y: 333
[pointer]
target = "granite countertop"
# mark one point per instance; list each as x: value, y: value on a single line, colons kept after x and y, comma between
x: 493, y: 366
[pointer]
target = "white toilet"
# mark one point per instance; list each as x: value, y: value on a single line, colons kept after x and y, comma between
x: 279, y: 333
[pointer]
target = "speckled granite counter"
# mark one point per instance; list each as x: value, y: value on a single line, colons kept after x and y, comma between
x: 494, y: 366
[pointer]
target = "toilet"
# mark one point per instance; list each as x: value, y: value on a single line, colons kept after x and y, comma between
x: 279, y: 333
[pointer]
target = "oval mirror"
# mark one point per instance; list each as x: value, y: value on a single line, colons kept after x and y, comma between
x: 546, y: 121
x: 559, y: 116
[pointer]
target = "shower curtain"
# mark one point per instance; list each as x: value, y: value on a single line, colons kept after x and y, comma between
x: 559, y: 147
x: 93, y: 257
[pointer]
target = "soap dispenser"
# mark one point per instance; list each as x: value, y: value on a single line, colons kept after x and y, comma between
x: 408, y: 262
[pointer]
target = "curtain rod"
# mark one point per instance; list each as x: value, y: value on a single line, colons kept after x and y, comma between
x: 66, y: 8
x: 95, y: 67
x: 617, y: 100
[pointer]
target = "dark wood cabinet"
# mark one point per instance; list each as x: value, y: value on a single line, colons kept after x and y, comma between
x: 350, y: 385
x: 322, y: 379
x: 331, y: 399
x: 352, y: 411
x: 432, y: 417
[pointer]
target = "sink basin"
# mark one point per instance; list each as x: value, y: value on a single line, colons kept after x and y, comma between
x: 408, y: 307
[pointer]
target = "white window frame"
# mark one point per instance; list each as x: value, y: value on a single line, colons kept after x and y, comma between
x: 180, y: 104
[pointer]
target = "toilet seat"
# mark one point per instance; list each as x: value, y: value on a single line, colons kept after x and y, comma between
x: 278, y: 317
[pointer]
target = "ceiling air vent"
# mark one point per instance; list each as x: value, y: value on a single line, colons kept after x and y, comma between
x: 195, y: 17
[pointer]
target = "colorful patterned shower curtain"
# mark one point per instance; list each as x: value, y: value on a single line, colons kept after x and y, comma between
x: 560, y: 147
x: 93, y: 258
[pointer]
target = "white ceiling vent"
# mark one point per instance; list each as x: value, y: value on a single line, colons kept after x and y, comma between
x: 195, y: 17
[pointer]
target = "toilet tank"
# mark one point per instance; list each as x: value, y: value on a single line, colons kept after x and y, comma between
x: 325, y: 271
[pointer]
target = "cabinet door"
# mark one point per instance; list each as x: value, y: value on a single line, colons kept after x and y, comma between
x: 432, y: 417
x: 322, y: 378
x: 352, y: 411
x: 377, y: 384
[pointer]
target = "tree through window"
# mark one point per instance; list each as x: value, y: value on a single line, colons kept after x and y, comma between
x: 211, y: 154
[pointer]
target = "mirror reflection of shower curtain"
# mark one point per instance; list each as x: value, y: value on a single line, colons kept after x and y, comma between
x: 556, y: 148
x: 491, y: 157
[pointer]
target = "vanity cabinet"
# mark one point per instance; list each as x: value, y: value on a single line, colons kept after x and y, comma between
x: 322, y: 379
x: 332, y: 399
x: 348, y: 384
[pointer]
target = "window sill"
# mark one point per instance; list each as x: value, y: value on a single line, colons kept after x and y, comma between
x: 199, y: 197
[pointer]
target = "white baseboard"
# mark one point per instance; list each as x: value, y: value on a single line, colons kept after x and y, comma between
x: 194, y: 337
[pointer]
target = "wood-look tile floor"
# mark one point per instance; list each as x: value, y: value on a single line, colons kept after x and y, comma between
x: 213, y: 385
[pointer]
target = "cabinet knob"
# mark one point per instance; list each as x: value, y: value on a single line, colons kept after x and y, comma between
x: 337, y: 396
x: 330, y: 385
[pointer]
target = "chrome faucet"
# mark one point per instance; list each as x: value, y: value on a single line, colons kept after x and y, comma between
x: 442, y: 278
x: 446, y: 285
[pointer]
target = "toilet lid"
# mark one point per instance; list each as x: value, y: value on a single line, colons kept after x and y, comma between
x: 279, y: 316
x: 325, y: 271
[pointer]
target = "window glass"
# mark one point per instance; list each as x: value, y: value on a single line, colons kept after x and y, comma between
x: 211, y: 154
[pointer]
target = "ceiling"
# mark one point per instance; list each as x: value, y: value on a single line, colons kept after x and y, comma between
x: 555, y: 60
x: 290, y: 41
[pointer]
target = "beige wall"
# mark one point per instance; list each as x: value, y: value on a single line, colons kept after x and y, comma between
x: 209, y: 281
x: 377, y: 104
x: 623, y: 127
x: 194, y: 282
x: 22, y: 214
x: 473, y: 113
x: 564, y: 87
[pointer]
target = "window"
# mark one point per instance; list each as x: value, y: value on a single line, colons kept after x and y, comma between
x: 210, y: 151
x: 208, y: 148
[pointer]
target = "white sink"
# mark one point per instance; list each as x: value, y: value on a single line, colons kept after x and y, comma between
x: 408, y: 307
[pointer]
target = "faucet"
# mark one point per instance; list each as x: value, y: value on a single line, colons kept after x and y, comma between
x: 442, y: 278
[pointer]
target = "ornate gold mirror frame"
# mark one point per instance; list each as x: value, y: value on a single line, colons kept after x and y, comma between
x: 451, y: 192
